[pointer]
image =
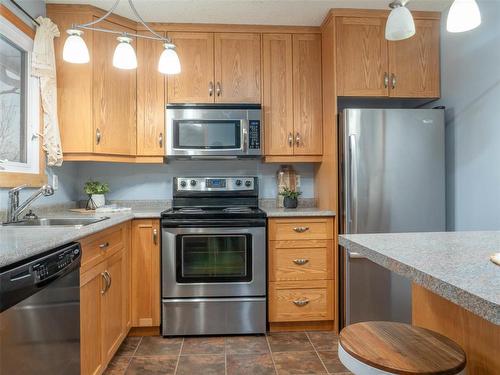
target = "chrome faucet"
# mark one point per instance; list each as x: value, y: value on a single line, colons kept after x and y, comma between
x: 15, y: 209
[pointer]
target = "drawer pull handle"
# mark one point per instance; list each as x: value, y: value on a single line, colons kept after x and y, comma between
x: 300, y: 262
x: 301, y: 229
x: 301, y: 302
x: 104, y: 245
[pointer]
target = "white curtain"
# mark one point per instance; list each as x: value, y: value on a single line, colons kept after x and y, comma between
x: 43, y: 65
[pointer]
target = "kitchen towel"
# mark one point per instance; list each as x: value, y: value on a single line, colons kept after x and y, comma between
x: 43, y: 65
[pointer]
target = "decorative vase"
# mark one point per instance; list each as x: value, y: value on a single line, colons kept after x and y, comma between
x: 98, y: 200
x: 290, y: 202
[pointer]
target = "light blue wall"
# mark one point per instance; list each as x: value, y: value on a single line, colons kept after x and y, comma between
x: 471, y: 94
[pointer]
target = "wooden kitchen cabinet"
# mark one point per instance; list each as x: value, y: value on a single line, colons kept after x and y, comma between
x: 292, y: 97
x: 370, y: 66
x: 145, y: 273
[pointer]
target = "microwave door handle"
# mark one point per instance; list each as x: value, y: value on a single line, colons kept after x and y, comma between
x: 244, y: 136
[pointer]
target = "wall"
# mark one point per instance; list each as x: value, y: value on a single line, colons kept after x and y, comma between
x: 471, y: 94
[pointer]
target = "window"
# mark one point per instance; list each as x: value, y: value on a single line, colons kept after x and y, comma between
x: 19, y: 103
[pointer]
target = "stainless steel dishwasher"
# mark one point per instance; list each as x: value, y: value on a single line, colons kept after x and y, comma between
x: 40, y: 314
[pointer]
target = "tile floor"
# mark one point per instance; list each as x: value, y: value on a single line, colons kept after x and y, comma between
x: 306, y: 353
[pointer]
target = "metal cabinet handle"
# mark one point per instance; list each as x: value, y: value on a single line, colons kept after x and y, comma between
x: 109, y: 279
x: 393, y: 80
x: 300, y: 262
x: 97, y: 136
x: 297, y: 139
x: 301, y: 229
x: 301, y: 302
x: 218, y: 89
x: 210, y: 88
x: 104, y: 246
x: 386, y: 80
x: 104, y: 276
x: 290, y: 139
x: 155, y: 236
x: 160, y: 140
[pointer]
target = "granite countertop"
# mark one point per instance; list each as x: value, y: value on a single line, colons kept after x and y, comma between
x: 454, y: 265
x: 296, y: 212
x: 18, y: 243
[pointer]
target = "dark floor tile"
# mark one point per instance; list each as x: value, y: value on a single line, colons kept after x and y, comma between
x: 324, y: 340
x: 117, y: 366
x: 289, y: 341
x: 128, y: 347
x: 154, y: 346
x: 203, y: 345
x: 250, y: 364
x: 332, y: 362
x: 288, y: 363
x: 201, y: 365
x: 152, y: 365
x: 246, y: 345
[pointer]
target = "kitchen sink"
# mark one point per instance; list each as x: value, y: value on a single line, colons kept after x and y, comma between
x: 57, y: 222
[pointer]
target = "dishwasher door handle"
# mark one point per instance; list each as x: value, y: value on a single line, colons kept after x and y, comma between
x: 354, y: 255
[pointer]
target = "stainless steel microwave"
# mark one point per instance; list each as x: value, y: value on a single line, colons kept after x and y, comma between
x: 213, y: 131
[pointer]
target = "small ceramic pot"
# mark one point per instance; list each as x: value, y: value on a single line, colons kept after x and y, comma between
x: 290, y: 202
x: 98, y: 199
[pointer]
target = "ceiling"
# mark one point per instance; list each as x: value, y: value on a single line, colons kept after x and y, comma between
x: 261, y: 12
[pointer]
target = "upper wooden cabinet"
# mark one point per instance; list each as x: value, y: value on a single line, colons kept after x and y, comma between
x: 220, y: 67
x: 369, y: 65
x: 292, y: 97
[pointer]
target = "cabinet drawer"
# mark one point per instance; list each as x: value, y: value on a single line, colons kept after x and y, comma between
x: 301, y: 229
x: 99, y: 246
x: 300, y: 263
x: 289, y: 302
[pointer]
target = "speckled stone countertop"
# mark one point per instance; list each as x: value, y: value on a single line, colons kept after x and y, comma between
x: 454, y: 265
x: 296, y: 212
x: 18, y: 243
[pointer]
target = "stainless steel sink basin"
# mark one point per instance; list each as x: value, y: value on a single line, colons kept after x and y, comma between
x: 57, y: 222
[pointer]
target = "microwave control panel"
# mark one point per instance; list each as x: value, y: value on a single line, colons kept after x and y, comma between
x: 254, y: 135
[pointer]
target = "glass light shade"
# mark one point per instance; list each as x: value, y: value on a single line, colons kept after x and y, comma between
x: 400, y: 24
x: 124, y: 56
x: 75, y: 50
x: 464, y: 15
x: 169, y: 60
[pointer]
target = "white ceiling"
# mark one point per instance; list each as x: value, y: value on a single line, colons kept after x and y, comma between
x: 261, y: 12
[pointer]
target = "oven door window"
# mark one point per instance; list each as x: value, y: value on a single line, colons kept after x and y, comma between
x: 207, y: 134
x: 214, y: 258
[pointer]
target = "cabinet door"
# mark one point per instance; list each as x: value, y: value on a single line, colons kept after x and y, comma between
x: 114, y: 97
x: 278, y: 94
x: 237, y: 68
x: 195, y: 82
x: 150, y: 99
x: 414, y: 63
x: 91, y: 284
x: 145, y: 273
x: 112, y: 313
x: 362, y: 68
x: 307, y: 96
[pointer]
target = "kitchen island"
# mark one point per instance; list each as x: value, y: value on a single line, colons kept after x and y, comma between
x: 456, y: 288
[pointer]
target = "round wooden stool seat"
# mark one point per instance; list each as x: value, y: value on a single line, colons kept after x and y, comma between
x: 397, y: 348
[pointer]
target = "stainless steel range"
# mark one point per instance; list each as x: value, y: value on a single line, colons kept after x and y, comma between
x: 214, y: 258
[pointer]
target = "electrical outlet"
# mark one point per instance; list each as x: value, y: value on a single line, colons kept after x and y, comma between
x: 55, y: 182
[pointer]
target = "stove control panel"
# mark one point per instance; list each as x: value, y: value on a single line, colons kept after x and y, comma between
x: 215, y: 183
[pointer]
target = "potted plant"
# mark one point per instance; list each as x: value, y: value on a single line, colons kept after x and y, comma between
x: 95, y: 190
x: 290, y: 197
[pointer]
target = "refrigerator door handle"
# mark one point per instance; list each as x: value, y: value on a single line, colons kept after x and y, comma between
x: 353, y: 180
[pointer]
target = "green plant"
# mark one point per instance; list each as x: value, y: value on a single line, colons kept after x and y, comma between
x: 95, y: 187
x: 289, y: 193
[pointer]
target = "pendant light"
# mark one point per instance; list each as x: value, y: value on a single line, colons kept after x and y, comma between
x: 464, y: 15
x: 75, y: 50
x: 400, y: 24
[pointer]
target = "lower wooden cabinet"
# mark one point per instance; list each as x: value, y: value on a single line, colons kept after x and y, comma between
x: 145, y: 273
x: 104, y: 299
x: 302, y: 264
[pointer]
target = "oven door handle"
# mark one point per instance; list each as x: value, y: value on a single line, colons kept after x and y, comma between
x: 214, y: 223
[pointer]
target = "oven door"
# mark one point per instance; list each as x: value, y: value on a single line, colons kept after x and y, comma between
x: 213, y: 262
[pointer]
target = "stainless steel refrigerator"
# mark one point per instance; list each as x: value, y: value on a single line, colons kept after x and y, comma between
x: 393, y: 180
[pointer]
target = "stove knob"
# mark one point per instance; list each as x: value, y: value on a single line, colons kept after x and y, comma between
x: 183, y: 183
x: 192, y: 182
x: 248, y: 183
x: 238, y: 182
